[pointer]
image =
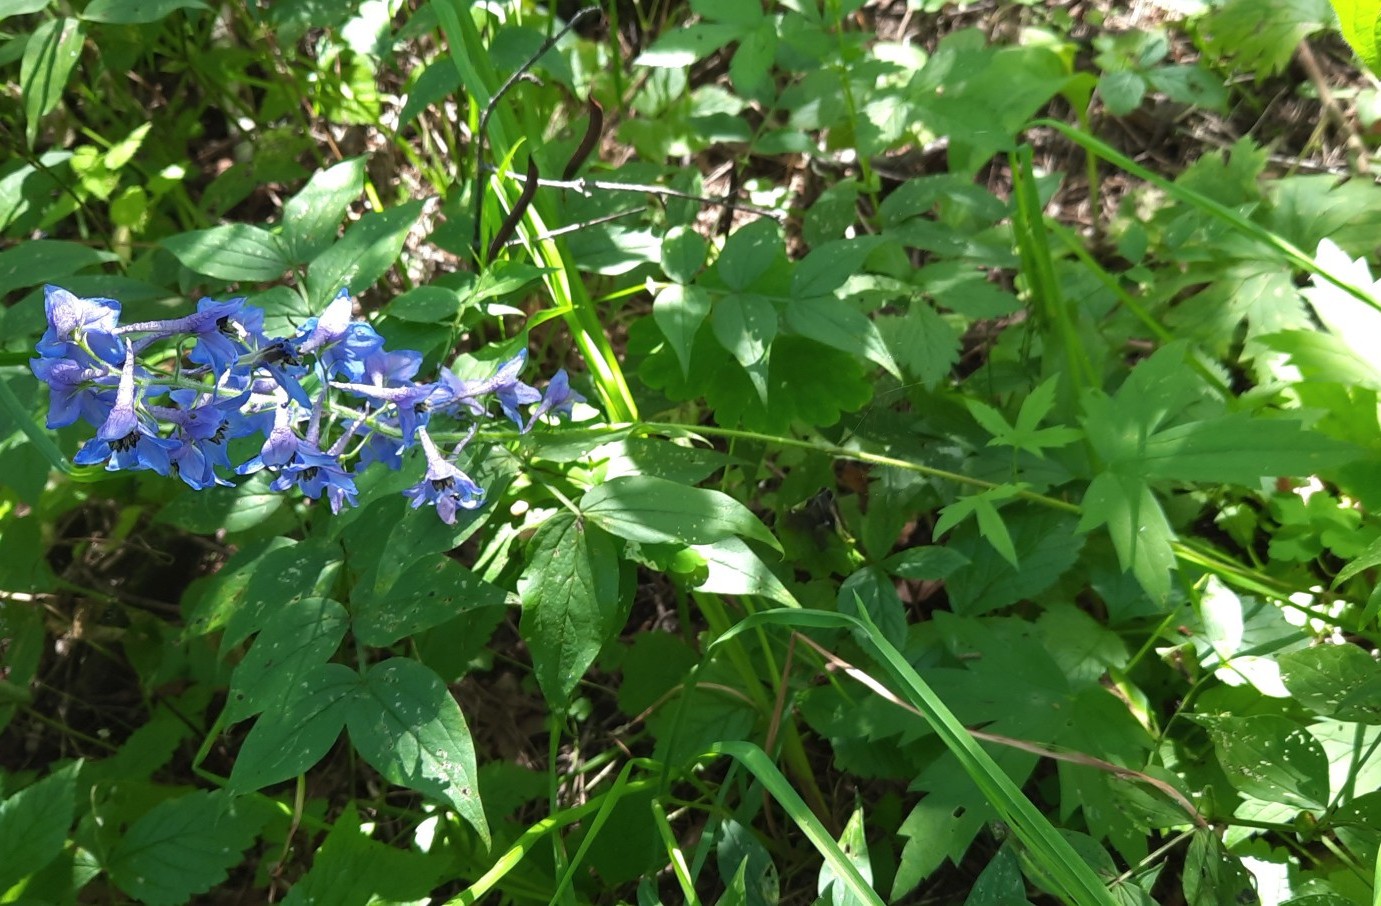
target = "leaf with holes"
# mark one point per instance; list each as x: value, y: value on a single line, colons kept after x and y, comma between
x: 290, y: 739
x: 294, y: 642
x: 405, y: 723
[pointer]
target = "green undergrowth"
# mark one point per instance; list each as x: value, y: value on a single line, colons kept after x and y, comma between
x: 973, y: 501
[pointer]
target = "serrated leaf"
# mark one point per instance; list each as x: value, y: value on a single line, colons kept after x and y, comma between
x: 1271, y: 758
x: 235, y: 251
x: 183, y: 847
x: 404, y: 722
x: 293, y: 643
x: 1044, y: 544
x: 1358, y: 21
x: 364, y: 254
x: 49, y: 56
x: 34, y: 823
x: 1140, y: 532
x: 136, y: 12
x: 312, y: 217
x: 679, y: 311
x: 834, y: 322
x: 1239, y: 449
x: 290, y: 739
x: 653, y: 510
x: 571, y: 602
x: 924, y: 344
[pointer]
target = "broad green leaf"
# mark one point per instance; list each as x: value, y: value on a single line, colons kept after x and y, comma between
x: 235, y: 251
x: 683, y: 254
x: 830, y: 264
x: 405, y: 723
x: 210, y: 602
x: 1271, y: 758
x: 679, y: 311
x: 34, y: 823
x: 312, y: 217
x: 1137, y: 525
x: 1338, y: 681
x: 136, y: 12
x: 426, y: 305
x: 746, y: 325
x: 427, y: 593
x: 364, y: 254
x: 39, y: 261
x: 748, y: 254
x: 1239, y: 449
x: 1000, y: 883
x: 183, y: 847
x: 1212, y: 875
x: 1262, y: 35
x: 571, y: 602
x: 49, y: 56
x: 735, y: 570
x: 293, y: 643
x: 234, y: 509
x: 283, y: 576
x: 683, y: 46
x: 287, y: 740
x: 730, y: 12
x: 351, y: 869
x: 20, y: 7
x: 1358, y: 20
x: 751, y: 63
x: 1121, y: 91
x: 740, y: 854
x: 920, y: 563
x: 654, y: 510
x: 834, y: 322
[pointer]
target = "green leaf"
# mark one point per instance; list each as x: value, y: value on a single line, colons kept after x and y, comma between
x: 426, y: 305
x: 683, y: 254
x: 990, y: 524
x: 683, y: 46
x: 751, y: 63
x: 39, y: 261
x: 429, y: 592
x: 312, y: 217
x: 853, y: 843
x: 730, y: 12
x: 364, y: 254
x: 49, y: 56
x: 183, y: 847
x: 1212, y: 875
x: 931, y: 562
x: 350, y: 869
x: 834, y: 322
x: 653, y: 510
x: 235, y: 252
x: 1358, y: 21
x: 872, y: 590
x: 20, y: 7
x: 284, y: 576
x: 287, y: 740
x: 739, y: 854
x: 571, y: 602
x: 923, y: 343
x: 733, y: 569
x: 294, y: 642
x: 1239, y: 449
x: 405, y: 723
x: 679, y: 311
x: 136, y: 12
x: 1121, y: 91
x: 1338, y: 681
x: 1140, y: 532
x: 234, y: 509
x: 745, y: 325
x: 34, y: 824
x: 1272, y: 758
x: 1043, y: 542
x: 749, y: 253
x: 1262, y: 34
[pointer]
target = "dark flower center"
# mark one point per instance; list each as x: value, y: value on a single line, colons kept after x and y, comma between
x: 309, y: 473
x: 443, y: 484
x: 219, y: 436
x: 126, y: 443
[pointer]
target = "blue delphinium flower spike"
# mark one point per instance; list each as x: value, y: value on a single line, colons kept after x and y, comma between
x: 444, y: 485
x: 76, y: 324
x: 126, y: 441
x: 558, y: 399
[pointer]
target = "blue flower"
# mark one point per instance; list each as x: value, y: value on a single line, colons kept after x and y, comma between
x: 316, y: 474
x: 205, y: 428
x: 76, y: 391
x: 76, y: 325
x: 444, y: 485
x: 559, y: 399
x: 126, y: 441
x: 340, y: 344
x: 504, y: 384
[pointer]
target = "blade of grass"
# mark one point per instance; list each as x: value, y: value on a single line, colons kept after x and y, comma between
x: 11, y: 405
x: 1069, y: 873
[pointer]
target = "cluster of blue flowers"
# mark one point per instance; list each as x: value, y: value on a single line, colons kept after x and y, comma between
x: 328, y: 402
